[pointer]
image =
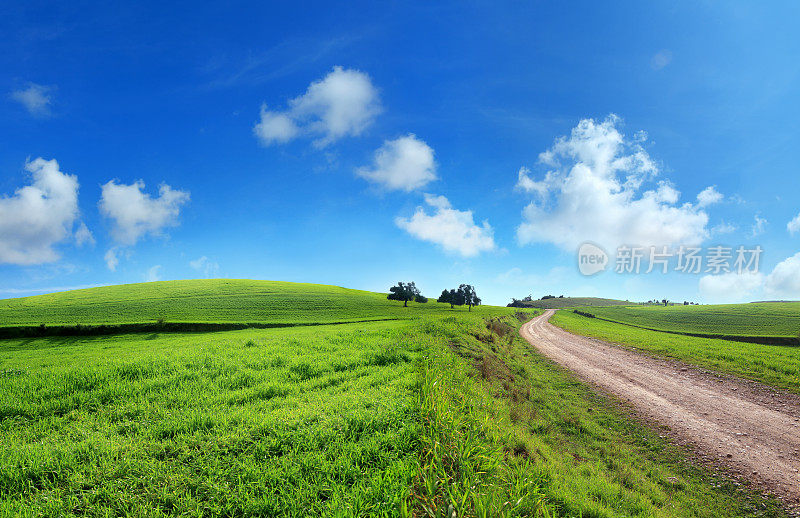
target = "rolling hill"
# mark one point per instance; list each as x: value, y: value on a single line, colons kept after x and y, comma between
x: 208, y: 301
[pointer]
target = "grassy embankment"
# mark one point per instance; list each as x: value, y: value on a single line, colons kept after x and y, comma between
x: 421, y: 416
x: 777, y: 365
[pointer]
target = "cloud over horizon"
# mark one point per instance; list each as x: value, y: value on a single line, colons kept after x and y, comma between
x: 135, y: 214
x: 593, y: 189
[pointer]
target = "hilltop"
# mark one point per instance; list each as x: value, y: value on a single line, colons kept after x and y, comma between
x: 209, y: 301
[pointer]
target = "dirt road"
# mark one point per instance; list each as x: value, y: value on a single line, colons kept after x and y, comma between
x: 750, y: 429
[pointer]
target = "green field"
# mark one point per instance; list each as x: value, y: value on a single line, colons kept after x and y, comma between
x: 777, y: 365
x: 758, y: 319
x: 441, y: 413
x: 216, y: 300
x: 570, y: 302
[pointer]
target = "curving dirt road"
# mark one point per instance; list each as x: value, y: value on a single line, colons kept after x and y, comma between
x: 749, y: 428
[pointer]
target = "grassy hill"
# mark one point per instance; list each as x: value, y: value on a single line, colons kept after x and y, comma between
x: 570, y: 302
x: 780, y: 319
x: 214, y: 300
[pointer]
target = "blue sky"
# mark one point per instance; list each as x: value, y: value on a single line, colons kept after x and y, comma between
x: 364, y: 144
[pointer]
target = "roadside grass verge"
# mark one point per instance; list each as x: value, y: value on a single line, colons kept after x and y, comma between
x: 774, y: 365
x: 509, y: 433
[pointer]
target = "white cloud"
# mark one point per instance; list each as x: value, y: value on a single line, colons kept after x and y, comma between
x: 153, y: 274
x: 83, y: 235
x: 275, y: 127
x: 136, y: 214
x: 405, y: 163
x: 454, y: 230
x: 205, y: 266
x: 794, y: 225
x: 342, y: 103
x: 661, y: 59
x: 112, y: 260
x: 35, y: 98
x: 784, y: 280
x: 593, y: 191
x: 759, y: 225
x: 730, y: 287
x: 38, y: 216
x: 709, y: 196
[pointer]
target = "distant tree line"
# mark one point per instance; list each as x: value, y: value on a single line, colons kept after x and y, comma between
x: 464, y: 295
x: 522, y: 303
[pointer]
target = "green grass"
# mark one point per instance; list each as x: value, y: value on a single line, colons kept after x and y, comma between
x: 758, y: 319
x: 434, y: 413
x: 772, y: 364
x: 569, y: 302
x: 216, y: 300
x: 575, y: 452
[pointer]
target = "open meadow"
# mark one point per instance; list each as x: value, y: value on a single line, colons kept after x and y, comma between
x: 779, y: 319
x: 777, y: 365
x: 433, y: 412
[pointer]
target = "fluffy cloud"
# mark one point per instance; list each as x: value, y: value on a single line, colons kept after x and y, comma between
x: 40, y: 215
x: 404, y: 164
x: 342, y: 103
x: 135, y: 213
x: 730, y: 287
x: 709, y: 196
x: 205, y: 266
x: 35, y: 98
x: 454, y: 230
x: 782, y: 282
x: 593, y: 190
x: 794, y: 225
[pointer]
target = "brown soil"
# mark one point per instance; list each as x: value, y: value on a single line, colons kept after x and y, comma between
x: 750, y: 429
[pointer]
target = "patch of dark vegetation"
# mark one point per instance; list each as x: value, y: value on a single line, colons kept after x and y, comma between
x: 156, y: 327
x: 388, y: 356
x: 304, y: 371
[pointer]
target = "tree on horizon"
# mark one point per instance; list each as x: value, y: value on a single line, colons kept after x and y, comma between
x: 405, y: 292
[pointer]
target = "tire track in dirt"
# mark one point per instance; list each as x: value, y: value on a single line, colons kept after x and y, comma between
x: 750, y: 429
